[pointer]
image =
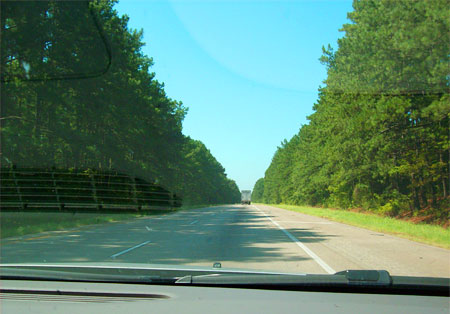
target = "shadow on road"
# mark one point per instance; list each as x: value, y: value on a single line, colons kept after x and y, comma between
x: 201, y: 236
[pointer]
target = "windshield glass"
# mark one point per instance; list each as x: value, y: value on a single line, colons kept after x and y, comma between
x: 284, y: 136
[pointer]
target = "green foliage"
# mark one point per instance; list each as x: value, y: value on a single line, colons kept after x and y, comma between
x: 121, y: 120
x: 203, y: 177
x: 379, y: 134
x: 258, y: 191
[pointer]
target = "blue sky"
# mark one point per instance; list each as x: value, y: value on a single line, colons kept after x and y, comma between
x: 247, y: 70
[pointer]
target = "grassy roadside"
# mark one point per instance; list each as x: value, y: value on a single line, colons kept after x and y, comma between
x: 187, y: 207
x: 429, y: 234
x: 14, y: 224
x: 21, y: 223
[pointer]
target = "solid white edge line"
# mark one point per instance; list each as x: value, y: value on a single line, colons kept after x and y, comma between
x: 313, y: 255
x: 128, y: 250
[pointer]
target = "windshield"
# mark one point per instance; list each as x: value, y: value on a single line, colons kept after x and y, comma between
x: 283, y: 136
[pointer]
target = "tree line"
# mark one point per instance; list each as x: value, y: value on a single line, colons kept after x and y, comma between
x: 378, y: 138
x: 77, y: 92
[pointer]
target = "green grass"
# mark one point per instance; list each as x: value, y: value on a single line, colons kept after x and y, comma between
x: 22, y: 223
x: 187, y: 207
x: 429, y: 234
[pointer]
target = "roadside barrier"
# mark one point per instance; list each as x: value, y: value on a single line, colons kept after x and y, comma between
x: 28, y: 189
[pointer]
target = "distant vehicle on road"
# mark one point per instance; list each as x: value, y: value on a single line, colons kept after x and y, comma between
x: 246, y: 196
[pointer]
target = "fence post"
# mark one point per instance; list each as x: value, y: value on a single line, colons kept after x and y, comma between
x: 23, y: 205
x: 94, y: 191
x: 60, y: 205
x: 135, y: 194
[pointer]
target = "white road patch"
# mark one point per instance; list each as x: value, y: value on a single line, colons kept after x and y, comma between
x: 316, y: 258
x: 131, y: 248
x: 194, y: 222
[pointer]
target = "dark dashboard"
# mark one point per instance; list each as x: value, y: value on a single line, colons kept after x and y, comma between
x: 81, y: 297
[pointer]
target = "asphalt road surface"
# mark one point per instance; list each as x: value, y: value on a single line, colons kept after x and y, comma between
x: 238, y: 236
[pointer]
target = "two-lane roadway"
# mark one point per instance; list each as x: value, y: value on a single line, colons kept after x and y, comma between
x: 238, y: 236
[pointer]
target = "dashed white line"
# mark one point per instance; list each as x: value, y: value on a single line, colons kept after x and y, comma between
x: 316, y: 258
x: 128, y: 250
x: 194, y: 222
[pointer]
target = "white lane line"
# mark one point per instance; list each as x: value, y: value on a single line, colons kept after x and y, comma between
x: 313, y: 255
x: 148, y: 229
x: 194, y: 222
x: 128, y: 250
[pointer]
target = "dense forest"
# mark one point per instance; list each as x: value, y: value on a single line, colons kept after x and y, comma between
x: 378, y: 138
x: 258, y: 191
x: 78, y: 93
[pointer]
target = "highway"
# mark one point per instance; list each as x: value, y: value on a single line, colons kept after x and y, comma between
x: 238, y: 236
